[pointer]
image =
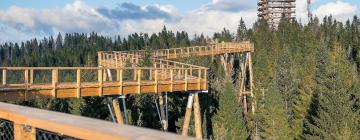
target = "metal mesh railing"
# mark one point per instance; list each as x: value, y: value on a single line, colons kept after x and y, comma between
x: 46, y: 135
x: 6, y: 130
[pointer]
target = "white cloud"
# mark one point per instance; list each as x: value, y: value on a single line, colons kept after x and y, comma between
x: 339, y: 9
x: 125, y: 19
x: 17, y: 24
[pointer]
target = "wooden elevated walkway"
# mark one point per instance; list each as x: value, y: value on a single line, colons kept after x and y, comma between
x: 112, y: 78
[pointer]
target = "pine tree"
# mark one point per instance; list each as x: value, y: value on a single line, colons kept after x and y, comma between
x: 229, y: 122
x: 241, y: 34
x: 332, y: 115
x: 273, y: 116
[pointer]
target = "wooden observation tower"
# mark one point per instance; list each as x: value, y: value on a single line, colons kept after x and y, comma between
x: 275, y: 10
x: 113, y: 78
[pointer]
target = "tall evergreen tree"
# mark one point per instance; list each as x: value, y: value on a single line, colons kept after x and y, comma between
x: 332, y: 115
x: 241, y: 33
x: 229, y: 122
x: 273, y: 116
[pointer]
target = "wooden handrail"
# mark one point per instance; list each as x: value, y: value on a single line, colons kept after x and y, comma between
x: 74, y: 126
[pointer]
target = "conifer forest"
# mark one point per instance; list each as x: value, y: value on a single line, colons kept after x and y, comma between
x: 306, y: 78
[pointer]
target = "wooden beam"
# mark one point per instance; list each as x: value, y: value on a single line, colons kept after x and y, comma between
x: 187, y: 117
x: 186, y: 80
x: 120, y: 79
x: 54, y: 82
x: 162, y: 113
x: 100, y: 82
x: 117, y: 110
x: 139, y: 81
x: 197, y: 116
x: 253, y: 99
x: 172, y: 80
x: 78, y: 83
x: 4, y: 75
x: 199, y: 79
x: 156, y: 81
x: 31, y: 76
x: 74, y: 126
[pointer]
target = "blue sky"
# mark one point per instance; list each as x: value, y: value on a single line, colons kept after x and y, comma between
x: 183, y: 5
x: 24, y: 19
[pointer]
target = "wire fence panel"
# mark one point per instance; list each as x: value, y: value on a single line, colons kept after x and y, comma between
x: 6, y: 130
x: 46, y: 135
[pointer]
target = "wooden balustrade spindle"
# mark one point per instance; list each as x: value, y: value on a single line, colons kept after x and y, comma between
x: 78, y: 83
x: 4, y: 77
x: 54, y: 82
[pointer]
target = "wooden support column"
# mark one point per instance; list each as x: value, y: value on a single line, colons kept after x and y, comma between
x: 253, y: 99
x: 120, y: 80
x: 31, y: 76
x: 205, y: 78
x: 172, y: 80
x: 139, y: 81
x: 199, y: 79
x: 197, y: 116
x: 23, y: 132
x: 188, y: 115
x: 100, y: 80
x: 117, y: 110
x: 26, y: 81
x: 78, y: 83
x: 100, y: 59
x: 162, y: 112
x: 4, y: 77
x: 26, y: 78
x: 156, y: 80
x: 109, y: 75
x: 54, y: 82
x: 186, y: 80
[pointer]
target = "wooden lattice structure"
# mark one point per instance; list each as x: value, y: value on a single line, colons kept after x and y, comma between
x: 112, y: 77
x: 274, y: 10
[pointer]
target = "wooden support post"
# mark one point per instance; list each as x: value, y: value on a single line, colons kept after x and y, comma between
x: 120, y: 79
x: 205, y: 78
x: 253, y: 99
x: 172, y: 80
x: 31, y: 76
x: 104, y: 75
x: 197, y: 116
x: 134, y: 74
x: 139, y: 81
x: 117, y: 110
x: 109, y: 74
x: 23, y: 132
x: 26, y: 78
x: 162, y: 113
x: 151, y: 74
x: 26, y: 81
x: 100, y: 80
x: 199, y: 79
x: 4, y: 77
x: 186, y: 80
x: 78, y: 83
x: 54, y: 82
x: 188, y: 115
x: 156, y: 80
x: 100, y: 59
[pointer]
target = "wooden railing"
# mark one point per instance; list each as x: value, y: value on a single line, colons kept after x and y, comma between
x: 118, y: 58
x: 25, y: 123
x: 33, y: 82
